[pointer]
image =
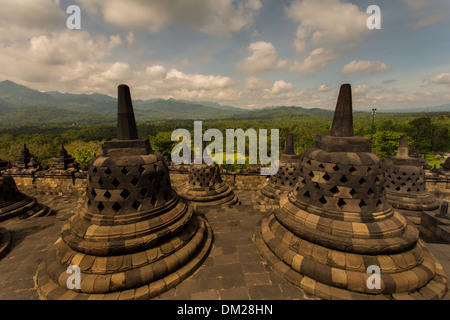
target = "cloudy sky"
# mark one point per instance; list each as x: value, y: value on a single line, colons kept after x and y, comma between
x: 245, y: 53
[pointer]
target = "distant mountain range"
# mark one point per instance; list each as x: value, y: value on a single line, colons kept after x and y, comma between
x: 443, y: 108
x: 20, y: 105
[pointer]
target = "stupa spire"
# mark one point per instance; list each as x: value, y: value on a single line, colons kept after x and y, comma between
x: 343, y: 116
x: 126, y: 123
x: 403, y: 147
x: 289, y: 148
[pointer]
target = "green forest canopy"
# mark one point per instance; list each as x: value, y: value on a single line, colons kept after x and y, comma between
x: 429, y: 132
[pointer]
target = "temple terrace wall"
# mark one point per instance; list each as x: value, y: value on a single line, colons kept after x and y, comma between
x: 74, y: 184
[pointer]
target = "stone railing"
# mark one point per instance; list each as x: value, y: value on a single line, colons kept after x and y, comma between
x: 438, y: 183
x: 74, y: 183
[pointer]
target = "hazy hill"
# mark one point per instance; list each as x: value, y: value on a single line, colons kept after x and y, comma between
x: 216, y: 105
x: 49, y: 115
x: 173, y: 109
x: 279, y: 112
x: 17, y: 96
x: 443, y: 108
x: 22, y: 105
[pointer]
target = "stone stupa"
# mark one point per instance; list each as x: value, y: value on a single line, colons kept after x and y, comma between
x: 63, y: 161
x: 205, y: 186
x: 15, y: 204
x: 134, y: 237
x: 406, y: 184
x: 336, y: 227
x: 285, y: 180
x: 25, y: 160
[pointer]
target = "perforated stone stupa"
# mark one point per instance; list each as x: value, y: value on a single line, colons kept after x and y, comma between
x: 206, y: 187
x: 406, y: 184
x: 15, y: 204
x: 336, y: 224
x: 134, y: 237
x: 285, y: 180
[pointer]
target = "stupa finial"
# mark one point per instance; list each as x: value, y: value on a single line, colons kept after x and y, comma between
x: 343, y: 116
x: 403, y: 147
x: 126, y: 124
x: 289, y: 148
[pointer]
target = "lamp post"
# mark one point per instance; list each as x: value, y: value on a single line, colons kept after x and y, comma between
x: 374, y: 112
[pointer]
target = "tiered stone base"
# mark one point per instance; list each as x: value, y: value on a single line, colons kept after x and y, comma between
x: 138, y: 256
x: 283, y: 182
x: 412, y: 205
x: 268, y: 195
x: 334, y: 265
x: 5, y: 242
x: 138, y: 276
x: 24, y: 208
x: 218, y: 194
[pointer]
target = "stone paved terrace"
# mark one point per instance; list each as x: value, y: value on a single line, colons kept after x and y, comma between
x: 234, y: 269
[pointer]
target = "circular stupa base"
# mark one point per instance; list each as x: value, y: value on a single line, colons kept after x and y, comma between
x: 417, y: 202
x: 270, y: 195
x: 218, y: 195
x: 5, y: 242
x: 26, y: 208
x: 412, y: 206
x: 343, y: 274
x: 146, y: 274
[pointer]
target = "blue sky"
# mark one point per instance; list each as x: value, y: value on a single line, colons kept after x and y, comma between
x: 247, y: 53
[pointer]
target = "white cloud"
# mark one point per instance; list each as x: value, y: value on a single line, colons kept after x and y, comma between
x: 362, y: 89
x: 63, y: 55
x: 324, y: 88
x: 422, y: 15
x: 316, y: 61
x: 119, y: 71
x: 197, y: 81
x: 255, y: 84
x: 156, y: 72
x: 280, y: 87
x: 212, y: 17
x: 327, y: 30
x: 430, y: 19
x: 130, y: 38
x: 365, y: 67
x: 325, y: 22
x: 417, y: 4
x: 33, y: 13
x: 443, y: 78
x: 264, y: 58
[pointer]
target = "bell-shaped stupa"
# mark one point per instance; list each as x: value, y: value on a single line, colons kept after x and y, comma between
x: 134, y: 237
x: 285, y: 180
x: 406, y: 184
x: 15, y: 204
x: 205, y: 186
x: 336, y: 237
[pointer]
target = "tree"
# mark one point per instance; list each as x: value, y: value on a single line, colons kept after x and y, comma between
x: 385, y: 143
x: 163, y: 143
x: 84, y: 152
x: 420, y: 130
